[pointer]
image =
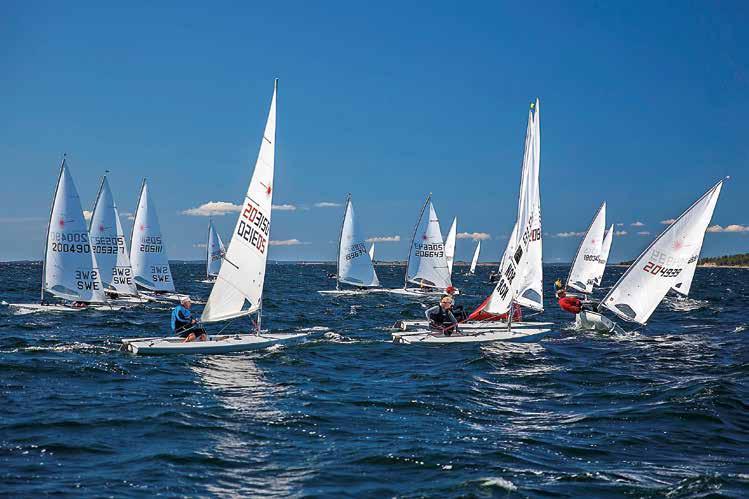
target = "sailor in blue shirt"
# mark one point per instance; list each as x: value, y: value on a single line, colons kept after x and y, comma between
x: 183, y: 323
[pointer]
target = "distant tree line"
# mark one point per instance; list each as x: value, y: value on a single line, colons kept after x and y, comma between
x: 740, y: 260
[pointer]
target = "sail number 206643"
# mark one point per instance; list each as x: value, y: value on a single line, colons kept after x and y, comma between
x: 661, y: 271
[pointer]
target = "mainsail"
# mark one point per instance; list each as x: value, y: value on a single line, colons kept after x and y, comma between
x: 475, y: 259
x: 521, y: 275
x: 371, y: 253
x: 427, y: 265
x: 69, y: 266
x: 147, y: 249
x: 605, y: 249
x: 450, y: 245
x: 215, y: 251
x: 664, y: 263
x: 242, y: 273
x: 585, y: 266
x: 354, y: 263
x: 108, y: 244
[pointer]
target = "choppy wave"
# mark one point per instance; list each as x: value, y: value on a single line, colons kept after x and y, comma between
x: 660, y: 411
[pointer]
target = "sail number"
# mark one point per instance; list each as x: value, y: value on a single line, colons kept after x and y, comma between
x: 659, y: 270
x: 108, y: 245
x: 151, y: 244
x: 430, y: 250
x: 75, y: 242
x: 355, y: 251
x: 254, y: 227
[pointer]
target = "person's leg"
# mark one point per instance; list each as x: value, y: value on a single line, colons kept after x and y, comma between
x: 190, y: 337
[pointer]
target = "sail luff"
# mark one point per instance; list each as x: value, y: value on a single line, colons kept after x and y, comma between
x: 49, y: 227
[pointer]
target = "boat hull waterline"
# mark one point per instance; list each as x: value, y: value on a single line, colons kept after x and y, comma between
x: 214, y: 344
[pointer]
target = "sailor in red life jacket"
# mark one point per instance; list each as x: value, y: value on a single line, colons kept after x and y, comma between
x: 571, y: 304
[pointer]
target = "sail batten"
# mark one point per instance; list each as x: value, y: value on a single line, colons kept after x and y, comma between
x: 664, y: 263
x: 242, y: 278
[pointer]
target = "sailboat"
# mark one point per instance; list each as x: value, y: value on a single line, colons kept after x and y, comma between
x: 372, y: 253
x: 214, y: 253
x: 110, y: 248
x: 475, y: 259
x: 148, y: 255
x: 427, y: 265
x: 585, y: 268
x: 668, y: 261
x: 238, y: 291
x: 520, y: 281
x: 354, y: 265
x: 450, y: 245
x: 69, y: 269
x: 604, y: 257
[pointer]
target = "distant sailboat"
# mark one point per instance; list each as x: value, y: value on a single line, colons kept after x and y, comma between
x: 585, y: 267
x: 354, y: 265
x: 666, y: 262
x: 148, y: 252
x: 450, y: 245
x: 475, y: 259
x: 372, y: 253
x: 69, y: 271
x: 238, y: 290
x: 214, y: 253
x: 605, y: 249
x: 427, y: 265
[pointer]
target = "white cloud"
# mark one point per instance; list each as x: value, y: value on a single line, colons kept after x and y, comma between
x: 87, y: 215
x: 569, y: 234
x: 212, y: 209
x: 287, y: 242
x: 476, y: 236
x: 729, y: 228
x: 284, y: 207
x: 668, y: 221
x: 199, y: 245
x: 637, y: 224
x: 128, y: 215
x: 620, y: 224
x: 643, y: 233
x: 384, y: 239
x: 327, y: 204
x: 620, y: 233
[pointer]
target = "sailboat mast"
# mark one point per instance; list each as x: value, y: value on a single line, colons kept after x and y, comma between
x: 413, y: 238
x: 49, y: 224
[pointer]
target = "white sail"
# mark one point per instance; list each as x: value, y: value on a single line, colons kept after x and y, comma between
x: 585, y: 266
x: 475, y: 259
x: 450, y: 245
x: 242, y: 273
x: 69, y: 266
x: 354, y: 264
x: 108, y: 244
x: 427, y: 265
x: 642, y: 287
x: 147, y: 250
x: 521, y: 273
x: 371, y: 253
x: 215, y: 251
x: 605, y: 249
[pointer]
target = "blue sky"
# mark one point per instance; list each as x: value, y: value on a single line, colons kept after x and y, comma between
x: 643, y: 105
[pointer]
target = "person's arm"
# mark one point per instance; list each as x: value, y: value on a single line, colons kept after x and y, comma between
x: 451, y: 317
x: 183, y: 314
x: 430, y: 311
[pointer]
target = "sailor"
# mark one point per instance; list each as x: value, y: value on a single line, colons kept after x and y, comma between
x: 457, y: 310
x: 184, y: 325
x: 571, y: 304
x: 441, y: 316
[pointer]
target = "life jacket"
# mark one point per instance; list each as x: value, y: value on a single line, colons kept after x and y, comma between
x: 181, y: 317
x: 441, y: 316
x: 569, y: 304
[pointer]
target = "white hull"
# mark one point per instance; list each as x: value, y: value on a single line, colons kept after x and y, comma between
x: 419, y: 292
x: 165, y: 297
x: 351, y: 292
x: 37, y: 307
x: 593, y: 321
x: 411, y: 326
x: 214, y: 344
x: 427, y: 337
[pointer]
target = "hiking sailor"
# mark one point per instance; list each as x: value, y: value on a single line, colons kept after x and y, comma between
x: 184, y: 325
x: 441, y: 316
